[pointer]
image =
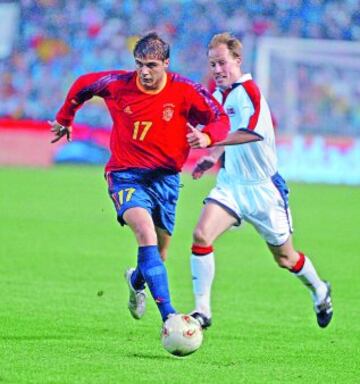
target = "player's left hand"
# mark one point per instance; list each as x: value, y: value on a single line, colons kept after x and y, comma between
x: 196, y: 138
x: 205, y: 163
x: 60, y: 131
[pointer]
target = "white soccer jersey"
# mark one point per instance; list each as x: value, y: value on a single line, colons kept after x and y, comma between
x: 249, y: 187
x: 248, y: 110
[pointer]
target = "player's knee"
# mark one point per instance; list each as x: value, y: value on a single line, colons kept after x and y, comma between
x: 200, y: 236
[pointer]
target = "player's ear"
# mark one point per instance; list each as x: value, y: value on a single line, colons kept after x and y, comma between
x: 166, y: 63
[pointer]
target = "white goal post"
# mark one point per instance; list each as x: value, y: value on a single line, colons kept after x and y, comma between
x: 311, y: 85
x: 313, y: 89
x: 9, y: 16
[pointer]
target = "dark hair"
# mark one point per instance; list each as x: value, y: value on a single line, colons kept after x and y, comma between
x: 152, y: 46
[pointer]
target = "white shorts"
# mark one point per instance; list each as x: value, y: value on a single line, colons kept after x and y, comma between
x: 263, y: 204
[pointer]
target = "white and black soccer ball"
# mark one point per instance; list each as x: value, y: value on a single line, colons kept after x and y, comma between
x: 181, y: 335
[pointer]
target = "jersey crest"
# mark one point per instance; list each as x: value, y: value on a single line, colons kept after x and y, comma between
x: 168, y: 111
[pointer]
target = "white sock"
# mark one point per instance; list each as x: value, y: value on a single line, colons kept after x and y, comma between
x: 311, y: 279
x: 203, y: 272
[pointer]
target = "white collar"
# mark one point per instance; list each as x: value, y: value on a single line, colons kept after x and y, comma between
x: 244, y: 77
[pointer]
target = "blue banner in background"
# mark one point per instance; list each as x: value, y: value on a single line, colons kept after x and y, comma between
x: 320, y: 160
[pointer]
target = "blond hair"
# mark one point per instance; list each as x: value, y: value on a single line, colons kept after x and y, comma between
x: 233, y: 44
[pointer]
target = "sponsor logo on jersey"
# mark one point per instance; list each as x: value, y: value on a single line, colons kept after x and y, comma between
x: 230, y: 111
x: 168, y: 111
x: 128, y: 110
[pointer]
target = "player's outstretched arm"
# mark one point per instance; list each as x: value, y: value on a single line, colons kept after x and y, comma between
x: 82, y: 90
x: 239, y: 137
x: 60, y: 131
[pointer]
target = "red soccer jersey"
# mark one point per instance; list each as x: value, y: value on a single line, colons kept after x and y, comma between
x: 149, y: 129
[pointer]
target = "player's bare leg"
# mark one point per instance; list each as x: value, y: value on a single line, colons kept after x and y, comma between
x: 285, y: 254
x: 150, y: 268
x: 296, y: 262
x: 163, y: 242
x: 141, y: 223
x: 214, y: 220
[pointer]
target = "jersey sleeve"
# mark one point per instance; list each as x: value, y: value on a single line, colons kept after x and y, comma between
x: 250, y: 102
x: 205, y: 110
x: 83, y: 89
x: 246, y: 110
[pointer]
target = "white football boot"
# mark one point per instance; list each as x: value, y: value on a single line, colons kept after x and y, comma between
x: 137, y: 298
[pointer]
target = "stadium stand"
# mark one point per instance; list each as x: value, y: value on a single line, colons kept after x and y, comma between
x: 58, y: 40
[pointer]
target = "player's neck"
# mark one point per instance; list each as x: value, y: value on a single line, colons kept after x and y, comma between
x: 157, y: 89
x: 236, y: 78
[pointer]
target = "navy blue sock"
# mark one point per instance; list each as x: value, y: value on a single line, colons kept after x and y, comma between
x: 154, y: 272
x: 137, y: 279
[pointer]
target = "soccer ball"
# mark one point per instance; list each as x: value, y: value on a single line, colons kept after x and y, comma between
x: 181, y: 335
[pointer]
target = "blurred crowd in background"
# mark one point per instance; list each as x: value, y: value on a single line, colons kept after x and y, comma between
x: 59, y: 40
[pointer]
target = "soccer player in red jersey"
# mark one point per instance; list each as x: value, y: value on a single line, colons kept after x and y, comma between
x: 153, y: 112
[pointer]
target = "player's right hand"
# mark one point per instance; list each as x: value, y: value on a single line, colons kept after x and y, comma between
x: 60, y: 131
x: 205, y: 163
x: 196, y: 138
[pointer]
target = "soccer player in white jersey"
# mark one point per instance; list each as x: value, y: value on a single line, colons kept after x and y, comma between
x: 248, y: 186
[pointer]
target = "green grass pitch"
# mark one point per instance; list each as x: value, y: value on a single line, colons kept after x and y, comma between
x: 63, y: 314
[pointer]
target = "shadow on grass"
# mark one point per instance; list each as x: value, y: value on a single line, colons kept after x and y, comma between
x: 151, y: 356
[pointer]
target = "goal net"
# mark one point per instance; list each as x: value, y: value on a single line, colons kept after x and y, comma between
x: 313, y: 88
